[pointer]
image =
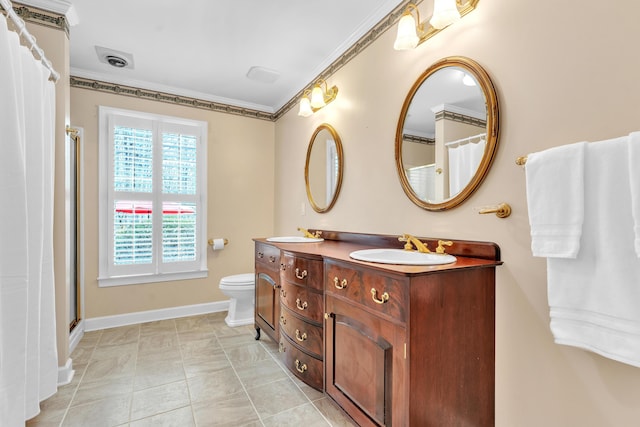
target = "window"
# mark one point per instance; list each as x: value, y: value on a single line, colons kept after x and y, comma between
x: 152, y: 198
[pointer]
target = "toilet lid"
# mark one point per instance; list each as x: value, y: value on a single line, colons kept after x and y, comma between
x: 238, y: 279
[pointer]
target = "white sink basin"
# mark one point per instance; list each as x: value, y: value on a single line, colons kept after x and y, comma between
x: 293, y: 239
x: 401, y: 256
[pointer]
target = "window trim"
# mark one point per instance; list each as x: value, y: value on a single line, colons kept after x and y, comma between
x: 108, y: 274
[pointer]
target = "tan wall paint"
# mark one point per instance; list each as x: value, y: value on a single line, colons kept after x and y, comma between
x: 240, y: 205
x: 564, y: 72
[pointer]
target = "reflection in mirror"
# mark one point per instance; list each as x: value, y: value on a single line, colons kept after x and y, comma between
x: 323, y: 169
x: 447, y: 133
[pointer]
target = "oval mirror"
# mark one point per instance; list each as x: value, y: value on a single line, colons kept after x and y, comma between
x: 323, y: 169
x: 447, y: 133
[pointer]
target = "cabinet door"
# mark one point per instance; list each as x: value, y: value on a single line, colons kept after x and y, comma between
x: 267, y: 301
x: 365, y: 364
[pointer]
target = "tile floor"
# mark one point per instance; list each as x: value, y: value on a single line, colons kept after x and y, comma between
x: 193, y: 371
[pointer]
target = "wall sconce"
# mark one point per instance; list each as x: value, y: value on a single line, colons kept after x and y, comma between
x: 316, y: 98
x: 445, y: 13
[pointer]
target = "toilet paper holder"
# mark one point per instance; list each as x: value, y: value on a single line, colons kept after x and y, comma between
x: 212, y: 242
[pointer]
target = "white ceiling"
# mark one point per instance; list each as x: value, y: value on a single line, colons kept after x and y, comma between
x: 204, y: 48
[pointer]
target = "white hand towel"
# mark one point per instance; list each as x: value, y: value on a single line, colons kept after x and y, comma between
x: 634, y: 180
x: 555, y: 197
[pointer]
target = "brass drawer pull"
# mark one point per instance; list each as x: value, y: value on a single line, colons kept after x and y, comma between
x: 283, y: 321
x: 272, y: 259
x: 301, y: 367
x: 301, y: 305
x: 302, y: 337
x: 301, y: 275
x: 339, y: 284
x: 260, y: 255
x: 281, y: 348
x: 374, y: 295
x: 283, y: 293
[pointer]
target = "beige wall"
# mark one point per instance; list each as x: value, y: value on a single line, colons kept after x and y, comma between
x: 564, y: 71
x: 240, y: 202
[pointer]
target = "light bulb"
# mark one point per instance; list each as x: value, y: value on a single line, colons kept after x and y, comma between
x: 305, y: 107
x: 317, y: 97
x: 407, y: 37
x: 445, y: 12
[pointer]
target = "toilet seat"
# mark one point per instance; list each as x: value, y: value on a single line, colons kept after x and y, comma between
x: 245, y: 281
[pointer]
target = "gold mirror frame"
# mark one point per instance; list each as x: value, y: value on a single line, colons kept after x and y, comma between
x: 338, y: 179
x: 491, y: 100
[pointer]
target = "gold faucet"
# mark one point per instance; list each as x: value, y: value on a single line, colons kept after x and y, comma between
x: 441, y: 244
x: 306, y: 233
x: 420, y: 246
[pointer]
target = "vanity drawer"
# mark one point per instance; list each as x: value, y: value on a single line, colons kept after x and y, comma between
x: 304, y: 334
x: 302, y: 301
x: 382, y: 293
x: 306, y: 367
x: 267, y: 255
x: 302, y: 271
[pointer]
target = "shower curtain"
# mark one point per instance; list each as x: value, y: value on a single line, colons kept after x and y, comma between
x: 464, y: 160
x: 28, y: 354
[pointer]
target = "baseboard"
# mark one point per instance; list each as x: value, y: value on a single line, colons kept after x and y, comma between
x: 75, y: 336
x: 105, y: 322
x: 65, y: 373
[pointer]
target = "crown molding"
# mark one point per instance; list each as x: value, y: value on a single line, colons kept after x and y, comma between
x: 60, y: 7
x: 117, y: 89
x: 37, y: 14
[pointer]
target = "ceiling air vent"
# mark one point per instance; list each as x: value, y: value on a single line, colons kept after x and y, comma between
x: 263, y: 75
x: 114, y: 58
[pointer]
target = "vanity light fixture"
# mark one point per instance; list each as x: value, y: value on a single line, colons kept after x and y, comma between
x: 316, y: 98
x: 412, y: 31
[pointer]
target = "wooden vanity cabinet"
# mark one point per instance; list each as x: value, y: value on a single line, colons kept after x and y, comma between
x: 301, y: 317
x: 392, y: 345
x: 410, y: 350
x: 267, y: 293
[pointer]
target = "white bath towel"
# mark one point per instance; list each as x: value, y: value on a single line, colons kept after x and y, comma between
x: 594, y: 298
x: 634, y: 176
x: 555, y: 197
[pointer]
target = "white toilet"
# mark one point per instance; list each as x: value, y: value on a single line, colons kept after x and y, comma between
x: 240, y: 288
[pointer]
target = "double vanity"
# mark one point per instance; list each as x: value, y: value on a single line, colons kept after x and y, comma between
x: 392, y: 338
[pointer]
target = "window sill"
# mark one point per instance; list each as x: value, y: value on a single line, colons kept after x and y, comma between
x: 104, y: 282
